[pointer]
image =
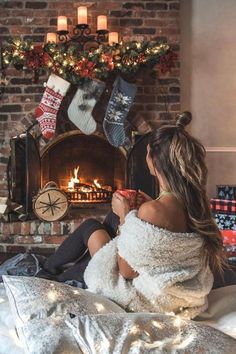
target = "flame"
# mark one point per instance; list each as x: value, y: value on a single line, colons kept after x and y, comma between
x: 74, y: 179
x: 76, y: 170
x: 98, y: 185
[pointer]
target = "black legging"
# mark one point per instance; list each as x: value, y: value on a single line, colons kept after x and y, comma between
x: 75, y: 246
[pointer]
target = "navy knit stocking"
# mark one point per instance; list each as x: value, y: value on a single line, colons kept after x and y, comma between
x: 122, y: 97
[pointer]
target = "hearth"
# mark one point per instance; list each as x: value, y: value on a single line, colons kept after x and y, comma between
x: 86, y: 167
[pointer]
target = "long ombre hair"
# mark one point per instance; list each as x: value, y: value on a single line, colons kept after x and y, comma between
x: 180, y: 160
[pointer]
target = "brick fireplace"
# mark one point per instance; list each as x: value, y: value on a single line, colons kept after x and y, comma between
x: 157, y: 102
x: 93, y: 158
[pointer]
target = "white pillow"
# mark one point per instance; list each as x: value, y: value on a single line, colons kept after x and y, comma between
x: 39, y: 307
x: 146, y: 333
x: 9, y: 341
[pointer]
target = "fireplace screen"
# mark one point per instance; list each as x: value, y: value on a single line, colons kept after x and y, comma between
x: 86, y: 167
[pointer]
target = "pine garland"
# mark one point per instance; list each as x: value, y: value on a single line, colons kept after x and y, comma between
x: 68, y: 62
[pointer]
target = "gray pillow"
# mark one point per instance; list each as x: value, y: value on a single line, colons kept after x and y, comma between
x: 39, y: 307
x: 146, y: 333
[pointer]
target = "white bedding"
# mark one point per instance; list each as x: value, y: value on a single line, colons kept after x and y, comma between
x: 221, y: 315
x: 9, y: 342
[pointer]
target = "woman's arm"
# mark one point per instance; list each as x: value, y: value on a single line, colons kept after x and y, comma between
x: 125, y: 270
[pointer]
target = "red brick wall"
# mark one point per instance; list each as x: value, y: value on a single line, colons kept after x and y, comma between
x: 132, y: 19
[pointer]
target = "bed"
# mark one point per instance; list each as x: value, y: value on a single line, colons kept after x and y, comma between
x: 38, y: 316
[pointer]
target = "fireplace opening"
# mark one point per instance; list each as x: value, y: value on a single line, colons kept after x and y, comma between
x: 86, y: 167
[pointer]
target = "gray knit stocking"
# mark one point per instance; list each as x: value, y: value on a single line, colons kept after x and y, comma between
x: 81, y: 107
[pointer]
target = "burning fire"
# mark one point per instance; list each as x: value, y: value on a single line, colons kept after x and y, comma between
x: 80, y: 191
x: 98, y: 185
x: 74, y: 180
x: 75, y: 183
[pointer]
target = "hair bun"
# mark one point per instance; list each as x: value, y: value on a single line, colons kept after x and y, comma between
x: 183, y: 119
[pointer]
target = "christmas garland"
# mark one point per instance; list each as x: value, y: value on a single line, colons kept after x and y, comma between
x: 72, y: 64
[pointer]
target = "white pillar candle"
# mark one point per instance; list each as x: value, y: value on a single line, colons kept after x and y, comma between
x: 82, y: 15
x: 101, y: 23
x: 113, y: 38
x: 62, y: 23
x: 51, y: 37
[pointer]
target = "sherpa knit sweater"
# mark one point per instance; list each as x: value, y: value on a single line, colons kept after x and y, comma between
x: 172, y: 275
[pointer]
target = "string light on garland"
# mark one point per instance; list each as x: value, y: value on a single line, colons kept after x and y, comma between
x: 73, y: 65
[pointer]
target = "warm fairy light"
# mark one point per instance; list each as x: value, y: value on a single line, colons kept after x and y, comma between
x: 52, y: 295
x: 82, y: 15
x: 102, y: 23
x: 177, y: 321
x: 157, y: 324
x: 51, y: 37
x: 99, y: 307
x: 62, y: 23
x: 17, y: 42
x: 134, y: 330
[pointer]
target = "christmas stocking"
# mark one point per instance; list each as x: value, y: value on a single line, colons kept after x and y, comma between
x: 80, y: 109
x: 46, y: 112
x: 122, y: 97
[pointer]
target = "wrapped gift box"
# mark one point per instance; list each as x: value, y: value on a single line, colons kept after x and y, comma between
x: 226, y: 192
x: 230, y: 252
x: 225, y: 221
x: 229, y: 240
x: 229, y: 237
x: 223, y: 206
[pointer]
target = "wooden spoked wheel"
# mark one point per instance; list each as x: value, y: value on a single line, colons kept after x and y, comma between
x: 51, y: 204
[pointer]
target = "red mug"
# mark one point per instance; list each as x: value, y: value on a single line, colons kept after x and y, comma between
x: 130, y: 195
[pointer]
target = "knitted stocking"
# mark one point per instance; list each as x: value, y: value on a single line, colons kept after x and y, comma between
x: 122, y: 97
x: 80, y: 109
x: 46, y: 112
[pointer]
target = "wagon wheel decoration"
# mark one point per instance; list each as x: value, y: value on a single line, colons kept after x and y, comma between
x: 51, y: 204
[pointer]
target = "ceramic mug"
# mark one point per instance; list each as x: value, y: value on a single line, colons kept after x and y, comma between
x: 130, y: 195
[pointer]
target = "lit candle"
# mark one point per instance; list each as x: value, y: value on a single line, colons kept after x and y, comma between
x: 62, y: 23
x: 101, y: 23
x: 113, y: 38
x: 51, y: 37
x: 82, y: 15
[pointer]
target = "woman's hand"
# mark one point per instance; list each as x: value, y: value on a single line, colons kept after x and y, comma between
x: 120, y: 206
x: 142, y: 198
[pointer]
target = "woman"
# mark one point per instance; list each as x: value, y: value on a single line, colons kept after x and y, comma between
x: 159, y: 262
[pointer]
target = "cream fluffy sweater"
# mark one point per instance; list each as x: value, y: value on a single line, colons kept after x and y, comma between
x: 172, y: 277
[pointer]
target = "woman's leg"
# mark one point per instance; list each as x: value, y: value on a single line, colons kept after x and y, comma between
x: 97, y: 240
x: 73, y: 247
x: 76, y: 271
x: 111, y: 223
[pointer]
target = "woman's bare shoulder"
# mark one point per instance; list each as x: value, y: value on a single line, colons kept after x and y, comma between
x: 152, y: 212
x: 165, y: 215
